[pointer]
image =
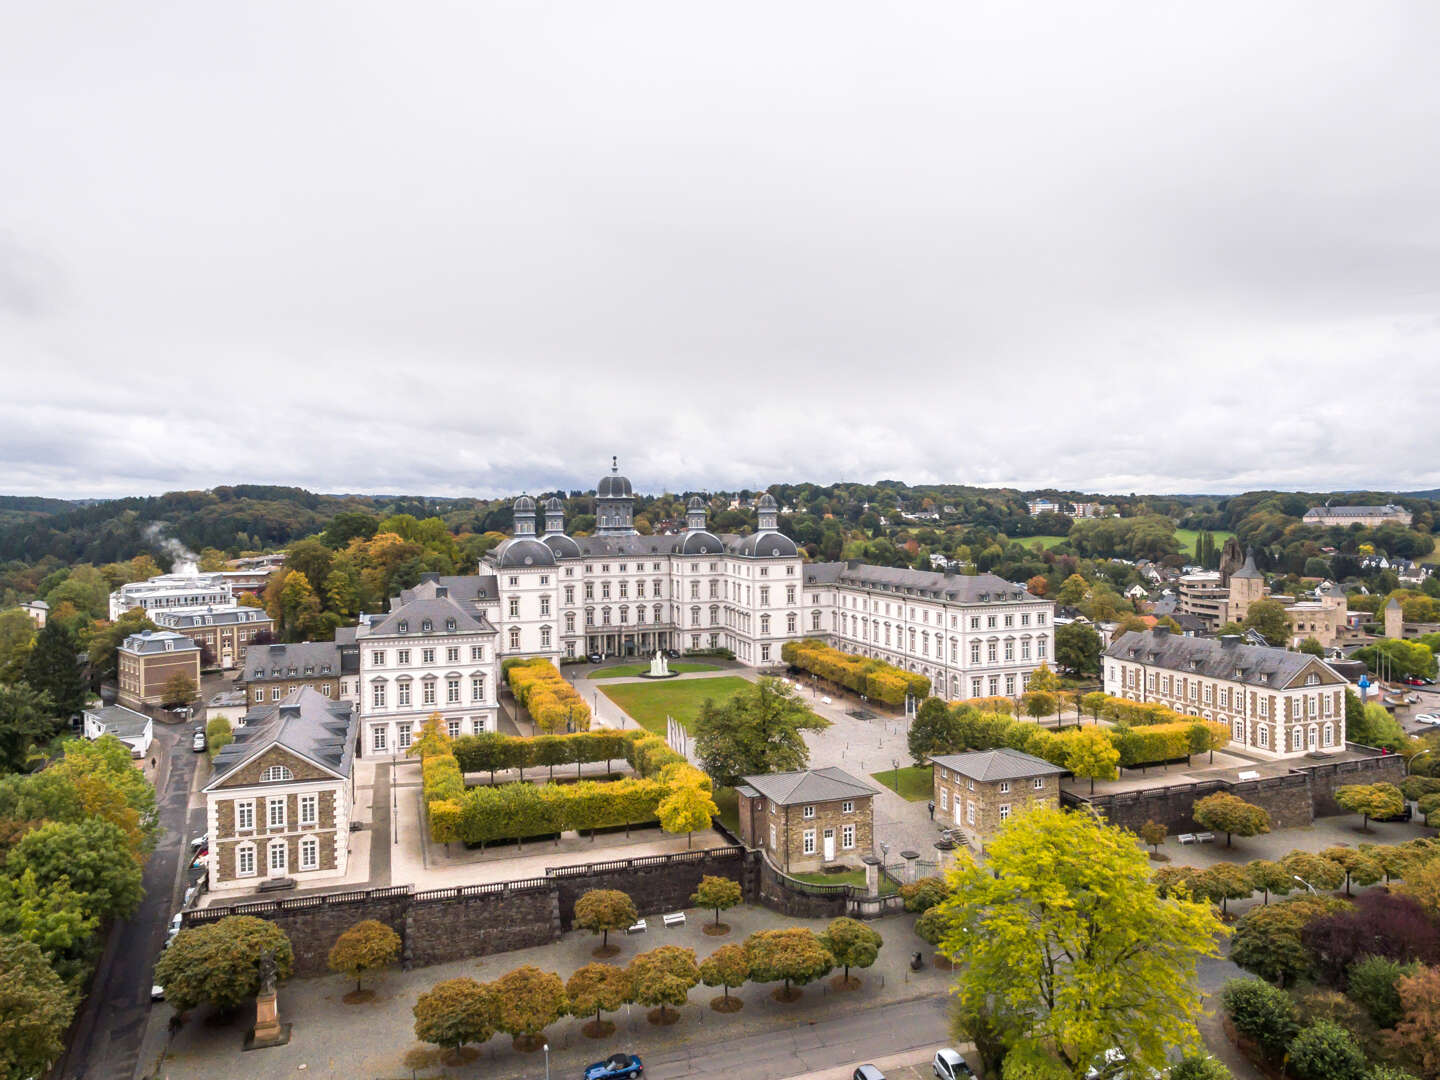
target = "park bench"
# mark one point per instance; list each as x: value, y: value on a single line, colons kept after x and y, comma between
x: 1186, y: 838
x: 1205, y: 838
x: 638, y: 928
x: 1249, y: 774
x: 675, y: 918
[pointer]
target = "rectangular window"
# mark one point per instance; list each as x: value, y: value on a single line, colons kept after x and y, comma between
x: 427, y: 692
x: 259, y: 695
x: 807, y: 843
x: 452, y: 691
x: 427, y: 656
x: 847, y: 807
x: 275, y: 812
x: 309, y: 854
x: 1039, y: 783
x: 772, y: 837
x: 377, y: 658
x: 245, y: 815
x: 402, y: 736
x: 847, y: 836
x: 402, y: 657
x: 452, y: 654
x: 309, y: 809
x: 377, y: 739
x: 808, y: 812
x: 275, y: 694
x: 1004, y: 811
x: 477, y: 653
x: 378, y: 695
x: 402, y: 695
x: 969, y: 812
x: 1004, y: 787
x: 944, y: 799
x: 245, y: 860
x: 477, y: 688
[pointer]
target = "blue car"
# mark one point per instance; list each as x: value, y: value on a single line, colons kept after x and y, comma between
x: 616, y: 1067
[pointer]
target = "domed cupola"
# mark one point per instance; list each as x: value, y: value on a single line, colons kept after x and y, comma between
x: 524, y: 516
x: 767, y: 513
x: 525, y: 551
x: 554, y: 516
x: 614, y: 504
x: 695, y: 513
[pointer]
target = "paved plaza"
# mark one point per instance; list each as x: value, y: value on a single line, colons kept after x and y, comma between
x: 331, y: 1038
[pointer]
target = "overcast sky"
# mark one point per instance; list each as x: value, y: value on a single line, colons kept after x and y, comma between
x: 477, y: 247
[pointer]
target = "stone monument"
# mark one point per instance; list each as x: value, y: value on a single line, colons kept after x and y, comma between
x: 268, y: 1031
x: 659, y: 669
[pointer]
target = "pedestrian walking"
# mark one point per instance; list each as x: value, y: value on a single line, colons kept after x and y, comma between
x: 931, y: 805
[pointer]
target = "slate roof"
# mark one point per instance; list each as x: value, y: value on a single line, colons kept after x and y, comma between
x: 121, y: 722
x: 224, y: 616
x: 762, y: 544
x: 158, y: 641
x: 438, y: 609
x: 1248, y: 570
x: 1001, y: 764
x: 302, y: 659
x: 306, y: 722
x: 809, y: 786
x: 1257, y: 665
x: 470, y: 588
x: 964, y: 588
x: 1354, y: 511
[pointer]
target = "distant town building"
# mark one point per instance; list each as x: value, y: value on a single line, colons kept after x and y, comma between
x: 807, y: 820
x: 1213, y: 598
x: 980, y: 791
x: 135, y: 730
x: 1277, y: 703
x: 186, y: 591
x: 1370, y: 516
x: 1044, y: 506
x: 280, y: 800
x: 275, y: 671
x: 148, y: 660
x: 38, y: 610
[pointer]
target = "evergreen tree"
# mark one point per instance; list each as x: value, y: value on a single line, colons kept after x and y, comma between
x: 53, y: 667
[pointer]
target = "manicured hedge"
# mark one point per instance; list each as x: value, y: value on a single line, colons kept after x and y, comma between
x: 551, y: 701
x: 875, y: 679
x: 1140, y: 713
x: 481, y: 815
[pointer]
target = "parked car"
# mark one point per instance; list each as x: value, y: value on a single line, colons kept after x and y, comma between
x: 1414, y: 680
x: 1404, y: 815
x: 595, y: 658
x: 673, y: 654
x: 200, y: 841
x: 157, y: 992
x: 197, y: 741
x: 949, y: 1065
x: 201, y: 857
x: 867, y: 1072
x: 616, y: 1067
x: 183, y: 712
x: 1428, y: 719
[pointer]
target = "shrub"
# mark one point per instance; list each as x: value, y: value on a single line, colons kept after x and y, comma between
x: 1417, y: 787
x: 1373, y: 984
x: 548, y: 697
x: 1262, y: 1013
x: 924, y: 894
x: 1326, y: 1051
x: 873, y: 678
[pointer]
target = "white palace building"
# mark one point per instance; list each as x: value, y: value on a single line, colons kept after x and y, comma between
x: 619, y: 593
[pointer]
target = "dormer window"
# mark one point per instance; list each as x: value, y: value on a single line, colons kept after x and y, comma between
x: 276, y: 772
x: 426, y: 626
x: 404, y: 626
x: 449, y: 624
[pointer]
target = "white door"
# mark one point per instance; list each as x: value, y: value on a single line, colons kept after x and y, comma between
x: 279, y: 860
x: 227, y: 659
x: 957, y: 811
x: 829, y: 845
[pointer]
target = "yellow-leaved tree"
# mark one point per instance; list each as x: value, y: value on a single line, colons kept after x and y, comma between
x: 1066, y: 950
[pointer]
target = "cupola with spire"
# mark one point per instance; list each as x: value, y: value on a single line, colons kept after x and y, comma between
x: 524, y: 516
x: 614, y: 504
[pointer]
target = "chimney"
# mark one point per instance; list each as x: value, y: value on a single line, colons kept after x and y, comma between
x: 442, y: 590
x: 1161, y: 631
x: 1229, y: 641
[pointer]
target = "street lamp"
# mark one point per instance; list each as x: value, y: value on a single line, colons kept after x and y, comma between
x: 1412, y: 757
x: 547, y: 1061
x: 896, y: 763
x: 1307, y: 884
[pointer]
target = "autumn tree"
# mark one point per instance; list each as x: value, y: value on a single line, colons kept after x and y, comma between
x: 369, y: 945
x: 758, y: 730
x: 1225, y: 882
x: 603, y: 910
x: 95, y: 858
x: 35, y: 1009
x: 1361, y: 867
x: 686, y: 808
x: 728, y: 966
x: 1268, y: 939
x: 663, y: 977
x: 1231, y: 815
x: 219, y: 963
x: 719, y: 894
x: 1091, y: 755
x: 794, y: 956
x: 454, y: 1012
x: 1418, y: 1032
x: 1113, y: 929
x: 1154, y: 833
x: 527, y: 1001
x: 1270, y: 877
x: 852, y: 944
x: 179, y: 689
x: 597, y: 988
x: 1370, y: 801
x: 1038, y: 703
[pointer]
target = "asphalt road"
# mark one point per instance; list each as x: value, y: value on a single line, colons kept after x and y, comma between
x: 106, y: 1042
x: 851, y: 1037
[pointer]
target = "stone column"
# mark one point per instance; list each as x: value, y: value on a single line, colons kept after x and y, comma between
x: 944, y: 856
x: 909, y: 857
x: 872, y: 874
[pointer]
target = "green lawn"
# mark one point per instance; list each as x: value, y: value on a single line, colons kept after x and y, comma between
x: 916, y: 782
x: 850, y: 877
x: 1186, y: 539
x: 650, y: 702
x: 624, y: 670
x: 1048, y: 541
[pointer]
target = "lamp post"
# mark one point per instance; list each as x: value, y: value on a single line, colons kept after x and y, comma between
x: 1412, y: 757
x: 895, y: 762
x: 1307, y: 884
x: 547, y: 1061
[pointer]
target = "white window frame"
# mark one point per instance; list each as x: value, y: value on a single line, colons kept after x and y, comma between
x: 274, y: 820
x: 807, y: 842
x: 245, y: 815
x: 245, y: 853
x: 848, y: 806
x: 308, y: 807
x: 847, y: 837
x: 808, y: 812
x: 309, y: 853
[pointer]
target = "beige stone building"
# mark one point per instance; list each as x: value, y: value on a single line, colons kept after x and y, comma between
x: 1277, y: 703
x: 146, y: 661
x: 273, y: 671
x: 279, y: 804
x: 1217, y: 598
x: 1369, y: 516
x: 978, y: 792
x: 225, y: 631
x: 807, y: 820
